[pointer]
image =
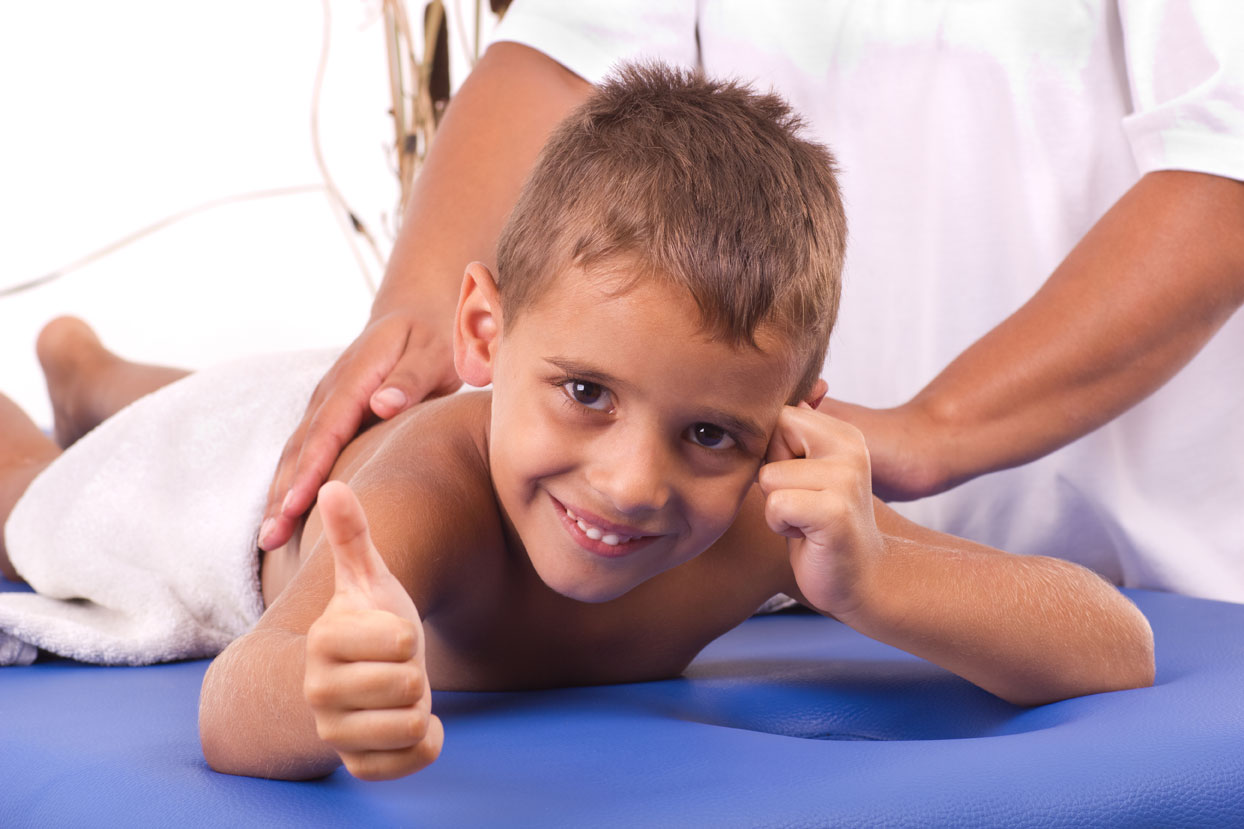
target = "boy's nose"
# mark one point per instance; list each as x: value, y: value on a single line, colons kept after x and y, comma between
x: 632, y: 476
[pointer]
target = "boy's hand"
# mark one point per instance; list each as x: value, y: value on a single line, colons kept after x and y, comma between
x: 818, y: 493
x: 365, y: 679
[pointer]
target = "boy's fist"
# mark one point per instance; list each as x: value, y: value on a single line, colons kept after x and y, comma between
x: 365, y: 678
x: 818, y: 493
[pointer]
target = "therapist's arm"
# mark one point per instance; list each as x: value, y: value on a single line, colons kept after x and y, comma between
x: 485, y: 146
x: 1133, y: 302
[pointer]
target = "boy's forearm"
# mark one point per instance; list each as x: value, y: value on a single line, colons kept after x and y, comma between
x: 1029, y: 629
x: 485, y: 147
x: 253, y: 719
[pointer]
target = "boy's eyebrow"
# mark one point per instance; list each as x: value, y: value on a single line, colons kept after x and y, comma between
x: 584, y: 371
x: 735, y: 424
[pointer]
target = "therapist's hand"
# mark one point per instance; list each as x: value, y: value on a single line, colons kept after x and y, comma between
x: 394, y: 363
x: 1136, y: 299
x: 486, y: 144
x: 904, y: 447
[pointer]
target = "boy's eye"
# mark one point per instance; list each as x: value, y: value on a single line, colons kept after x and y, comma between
x: 592, y: 395
x: 710, y: 436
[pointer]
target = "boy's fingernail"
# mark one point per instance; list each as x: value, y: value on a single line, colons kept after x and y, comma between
x: 289, y: 497
x: 391, y: 398
x: 265, y: 530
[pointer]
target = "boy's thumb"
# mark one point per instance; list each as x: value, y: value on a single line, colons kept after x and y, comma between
x: 356, y: 564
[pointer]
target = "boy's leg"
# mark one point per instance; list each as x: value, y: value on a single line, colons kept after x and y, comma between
x: 86, y: 382
x: 24, y: 452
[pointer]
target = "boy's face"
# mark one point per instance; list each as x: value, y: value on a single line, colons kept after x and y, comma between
x: 623, y: 440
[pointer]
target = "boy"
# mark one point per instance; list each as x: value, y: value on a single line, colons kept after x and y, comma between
x: 647, y: 470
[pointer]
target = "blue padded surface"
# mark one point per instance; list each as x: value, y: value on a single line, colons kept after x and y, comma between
x: 791, y: 720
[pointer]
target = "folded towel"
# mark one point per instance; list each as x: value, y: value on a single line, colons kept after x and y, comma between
x: 140, y: 539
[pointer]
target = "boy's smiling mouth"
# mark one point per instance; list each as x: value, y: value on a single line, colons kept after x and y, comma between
x: 601, y: 537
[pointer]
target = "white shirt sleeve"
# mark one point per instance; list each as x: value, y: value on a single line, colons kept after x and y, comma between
x: 1185, y: 63
x: 590, y: 37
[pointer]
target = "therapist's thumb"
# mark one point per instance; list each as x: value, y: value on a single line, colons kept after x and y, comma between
x: 420, y: 373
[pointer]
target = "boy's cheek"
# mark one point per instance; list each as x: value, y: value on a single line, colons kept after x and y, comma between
x: 719, y: 510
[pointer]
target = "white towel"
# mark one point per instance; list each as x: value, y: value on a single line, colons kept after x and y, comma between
x: 140, y: 539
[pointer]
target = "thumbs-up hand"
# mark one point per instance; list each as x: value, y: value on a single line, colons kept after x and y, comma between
x: 365, y: 679
x: 818, y: 493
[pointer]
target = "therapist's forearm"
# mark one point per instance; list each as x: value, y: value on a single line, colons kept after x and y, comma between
x: 1135, y: 300
x: 485, y: 146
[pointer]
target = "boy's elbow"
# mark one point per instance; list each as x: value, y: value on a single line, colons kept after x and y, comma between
x: 234, y: 742
x: 1123, y: 658
x: 218, y: 749
x: 227, y: 752
x: 1120, y: 660
x: 1126, y: 663
x: 1141, y: 670
x: 1129, y: 663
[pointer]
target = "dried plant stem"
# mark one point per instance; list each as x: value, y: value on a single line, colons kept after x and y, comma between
x: 393, y: 52
x: 425, y: 112
x: 414, y: 117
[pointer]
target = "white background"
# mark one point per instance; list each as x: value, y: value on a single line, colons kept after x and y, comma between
x: 115, y: 115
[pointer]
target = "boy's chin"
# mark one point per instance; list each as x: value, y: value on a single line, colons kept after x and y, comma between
x: 588, y: 591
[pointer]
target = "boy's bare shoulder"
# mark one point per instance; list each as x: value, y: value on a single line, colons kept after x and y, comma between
x: 424, y: 483
x: 448, y: 432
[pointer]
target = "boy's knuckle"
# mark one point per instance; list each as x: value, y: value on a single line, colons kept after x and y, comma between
x: 781, y: 501
x: 414, y: 726
x: 404, y: 640
x: 366, y: 765
x: 425, y: 754
x: 834, y: 506
x: 329, y: 729
x: 316, y: 691
x: 410, y: 687
x: 320, y: 636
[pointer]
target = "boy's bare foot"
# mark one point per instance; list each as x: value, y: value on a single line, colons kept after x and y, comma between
x: 24, y: 452
x: 71, y: 355
x: 86, y: 382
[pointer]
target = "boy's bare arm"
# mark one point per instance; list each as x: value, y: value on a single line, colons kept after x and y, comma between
x: 334, y: 671
x: 1029, y: 629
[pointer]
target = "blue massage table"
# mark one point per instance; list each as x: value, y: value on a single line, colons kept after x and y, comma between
x: 789, y: 720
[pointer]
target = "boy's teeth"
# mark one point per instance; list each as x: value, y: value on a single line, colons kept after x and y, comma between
x: 595, y: 533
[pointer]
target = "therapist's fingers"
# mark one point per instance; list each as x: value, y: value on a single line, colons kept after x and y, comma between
x: 338, y: 408
x: 395, y: 362
x: 425, y: 369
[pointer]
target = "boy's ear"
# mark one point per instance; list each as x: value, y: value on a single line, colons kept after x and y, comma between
x: 477, y: 326
x: 819, y: 389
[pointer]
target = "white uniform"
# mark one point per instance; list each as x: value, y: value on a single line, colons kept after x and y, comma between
x: 978, y: 143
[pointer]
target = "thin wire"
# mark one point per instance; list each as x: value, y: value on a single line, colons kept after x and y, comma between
x: 152, y: 228
x: 345, y: 217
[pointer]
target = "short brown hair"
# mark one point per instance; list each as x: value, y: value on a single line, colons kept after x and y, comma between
x: 704, y: 184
